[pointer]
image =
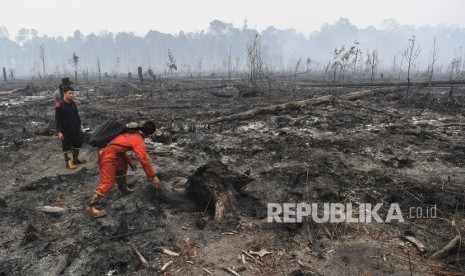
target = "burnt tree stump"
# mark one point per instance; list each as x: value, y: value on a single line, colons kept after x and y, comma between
x: 214, y: 187
x: 4, y: 75
x: 139, y: 72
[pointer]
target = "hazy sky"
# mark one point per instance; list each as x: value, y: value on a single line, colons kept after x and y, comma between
x: 63, y: 17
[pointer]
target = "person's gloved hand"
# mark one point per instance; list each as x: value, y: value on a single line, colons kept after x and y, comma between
x: 155, y: 182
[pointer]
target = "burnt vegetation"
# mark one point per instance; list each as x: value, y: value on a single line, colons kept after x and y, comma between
x: 220, y: 161
x: 229, y: 142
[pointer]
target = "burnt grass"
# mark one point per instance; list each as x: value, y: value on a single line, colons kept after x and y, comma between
x: 318, y: 154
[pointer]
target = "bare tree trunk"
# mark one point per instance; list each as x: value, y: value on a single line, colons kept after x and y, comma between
x: 410, y: 54
x: 4, y: 75
x: 139, y: 71
x: 99, y: 70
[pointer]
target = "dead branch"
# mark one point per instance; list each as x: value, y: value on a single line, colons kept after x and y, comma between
x: 260, y: 253
x: 301, y: 264
x: 356, y: 95
x: 446, y: 249
x: 416, y: 242
x: 252, y: 257
x: 272, y: 109
x: 206, y: 270
x: 141, y: 258
x: 247, y: 253
x: 166, y: 266
x: 243, y: 259
x: 52, y: 209
x: 167, y: 252
x: 230, y: 271
x: 290, y: 106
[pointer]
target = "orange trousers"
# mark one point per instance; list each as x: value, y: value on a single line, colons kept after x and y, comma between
x: 111, y: 165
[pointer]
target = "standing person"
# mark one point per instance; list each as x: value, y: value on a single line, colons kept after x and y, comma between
x: 110, y: 156
x: 58, y: 94
x: 69, y: 125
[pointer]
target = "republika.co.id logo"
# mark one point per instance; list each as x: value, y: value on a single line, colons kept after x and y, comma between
x: 338, y: 212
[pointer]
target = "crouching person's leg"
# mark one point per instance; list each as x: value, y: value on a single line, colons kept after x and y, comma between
x: 123, y: 187
x: 94, y: 208
x: 107, y: 179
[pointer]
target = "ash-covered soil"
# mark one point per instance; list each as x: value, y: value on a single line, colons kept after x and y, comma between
x: 379, y: 148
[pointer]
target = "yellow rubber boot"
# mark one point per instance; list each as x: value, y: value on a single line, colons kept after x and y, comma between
x: 69, y: 163
x: 76, y: 159
x: 93, y: 209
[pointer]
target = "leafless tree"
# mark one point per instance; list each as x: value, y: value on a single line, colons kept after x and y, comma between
x: 85, y: 74
x: 229, y: 63
x: 76, y: 66
x: 255, y: 59
x: 356, y: 53
x: 372, y: 63
x: 454, y: 71
x: 117, y: 67
x: 42, y: 57
x: 199, y: 65
x: 394, y: 65
x: 309, y: 65
x: 342, y: 58
x: 171, y: 63
x: 38, y: 73
x: 236, y: 67
x: 296, y: 70
x: 409, y: 55
x: 99, y: 70
x: 431, y: 65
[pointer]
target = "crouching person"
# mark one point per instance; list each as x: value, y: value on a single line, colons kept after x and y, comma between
x: 113, y: 157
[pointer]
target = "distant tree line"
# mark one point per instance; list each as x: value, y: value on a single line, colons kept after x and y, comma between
x: 336, y: 51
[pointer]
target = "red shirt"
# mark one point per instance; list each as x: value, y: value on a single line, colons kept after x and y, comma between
x: 133, y: 141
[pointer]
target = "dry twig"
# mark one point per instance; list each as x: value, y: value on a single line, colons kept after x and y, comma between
x: 139, y: 255
x: 231, y: 271
x: 446, y: 249
x: 165, y: 266
x: 416, y: 242
x: 167, y: 252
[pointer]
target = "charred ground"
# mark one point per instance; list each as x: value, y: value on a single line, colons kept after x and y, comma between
x: 379, y: 147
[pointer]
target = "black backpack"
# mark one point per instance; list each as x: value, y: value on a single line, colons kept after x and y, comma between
x: 105, y: 132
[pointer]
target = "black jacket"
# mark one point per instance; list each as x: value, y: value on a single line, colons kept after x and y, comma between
x: 67, y: 117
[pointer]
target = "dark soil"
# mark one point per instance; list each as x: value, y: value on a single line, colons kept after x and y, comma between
x: 318, y: 154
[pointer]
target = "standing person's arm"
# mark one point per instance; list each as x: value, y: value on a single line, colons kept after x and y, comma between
x: 59, y: 120
x: 77, y: 114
